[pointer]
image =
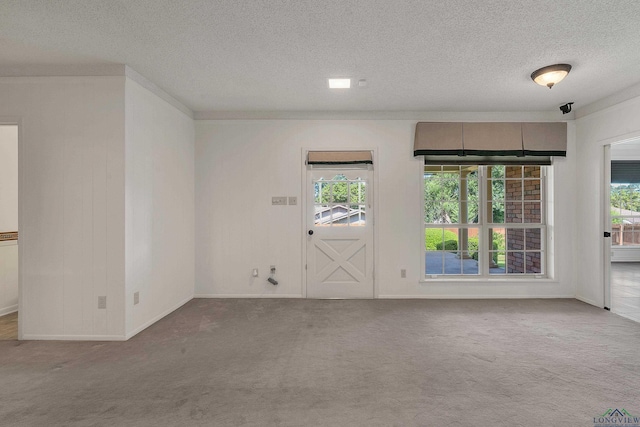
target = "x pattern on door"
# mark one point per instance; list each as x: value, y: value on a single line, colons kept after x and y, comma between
x: 340, y: 260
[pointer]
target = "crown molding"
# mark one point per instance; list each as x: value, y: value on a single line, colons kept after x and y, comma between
x: 60, y: 70
x: 609, y: 101
x: 527, y: 116
x: 147, y: 84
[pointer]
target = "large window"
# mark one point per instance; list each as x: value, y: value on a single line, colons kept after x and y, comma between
x: 485, y: 220
x: 625, y: 215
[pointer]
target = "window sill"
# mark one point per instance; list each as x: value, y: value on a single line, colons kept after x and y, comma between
x: 483, y: 280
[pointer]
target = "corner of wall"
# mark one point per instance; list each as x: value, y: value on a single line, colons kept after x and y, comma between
x: 159, y: 206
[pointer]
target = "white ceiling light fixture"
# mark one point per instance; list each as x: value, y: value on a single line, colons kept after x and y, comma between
x: 339, y: 83
x: 550, y: 75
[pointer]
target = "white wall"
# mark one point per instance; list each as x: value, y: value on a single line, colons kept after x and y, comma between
x: 159, y: 194
x: 8, y: 178
x: 71, y: 164
x: 8, y: 277
x: 8, y: 218
x: 88, y: 145
x: 594, y: 131
x: 626, y: 151
x: 241, y: 164
x: 106, y: 176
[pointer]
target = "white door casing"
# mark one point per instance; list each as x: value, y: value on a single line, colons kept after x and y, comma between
x: 339, y: 218
x: 606, y: 211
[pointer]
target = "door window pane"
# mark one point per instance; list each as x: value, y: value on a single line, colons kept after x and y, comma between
x: 340, y: 201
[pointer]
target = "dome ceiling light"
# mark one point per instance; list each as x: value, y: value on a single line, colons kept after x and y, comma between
x: 550, y: 75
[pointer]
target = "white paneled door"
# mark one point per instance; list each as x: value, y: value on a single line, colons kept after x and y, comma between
x: 339, y: 233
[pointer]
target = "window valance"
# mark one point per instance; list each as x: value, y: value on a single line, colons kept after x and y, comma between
x: 483, y: 142
x: 339, y: 158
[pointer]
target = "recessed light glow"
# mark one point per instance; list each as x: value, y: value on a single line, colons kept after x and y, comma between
x: 339, y: 83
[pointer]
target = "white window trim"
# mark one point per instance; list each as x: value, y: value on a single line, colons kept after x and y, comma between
x: 483, y: 276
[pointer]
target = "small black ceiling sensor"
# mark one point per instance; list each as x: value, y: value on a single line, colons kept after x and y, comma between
x: 566, y: 108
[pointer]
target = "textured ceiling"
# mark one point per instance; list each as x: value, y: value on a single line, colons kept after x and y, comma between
x: 275, y: 55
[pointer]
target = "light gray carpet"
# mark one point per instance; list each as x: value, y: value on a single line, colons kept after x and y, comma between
x: 338, y: 363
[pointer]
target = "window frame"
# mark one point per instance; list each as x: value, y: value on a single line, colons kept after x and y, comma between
x: 483, y: 275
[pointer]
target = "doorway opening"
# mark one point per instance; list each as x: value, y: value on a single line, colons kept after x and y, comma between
x: 9, y: 288
x: 623, y: 194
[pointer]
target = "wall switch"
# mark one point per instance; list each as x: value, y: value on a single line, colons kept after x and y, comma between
x: 403, y: 273
x: 102, y: 302
x: 293, y: 200
x: 280, y: 201
x: 254, y: 272
x: 136, y: 298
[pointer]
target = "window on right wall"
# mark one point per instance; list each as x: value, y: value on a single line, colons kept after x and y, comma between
x: 485, y: 221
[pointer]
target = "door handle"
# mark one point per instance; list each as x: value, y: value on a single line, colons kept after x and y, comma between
x: 310, y: 232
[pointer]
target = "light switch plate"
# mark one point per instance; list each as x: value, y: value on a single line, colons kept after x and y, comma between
x: 293, y: 200
x: 102, y: 302
x: 136, y: 298
x: 280, y: 201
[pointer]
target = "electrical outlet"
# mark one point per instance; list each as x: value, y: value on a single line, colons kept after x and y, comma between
x: 136, y: 298
x: 102, y: 302
x: 403, y: 273
x: 279, y: 201
x: 293, y: 200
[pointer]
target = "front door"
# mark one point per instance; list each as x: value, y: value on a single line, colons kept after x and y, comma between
x: 339, y: 233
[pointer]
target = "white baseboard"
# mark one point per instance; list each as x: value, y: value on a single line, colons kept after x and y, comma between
x: 457, y: 296
x: 247, y: 296
x: 73, y: 337
x: 8, y: 310
x: 625, y: 254
x: 476, y: 296
x: 158, y: 317
x: 588, y: 301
